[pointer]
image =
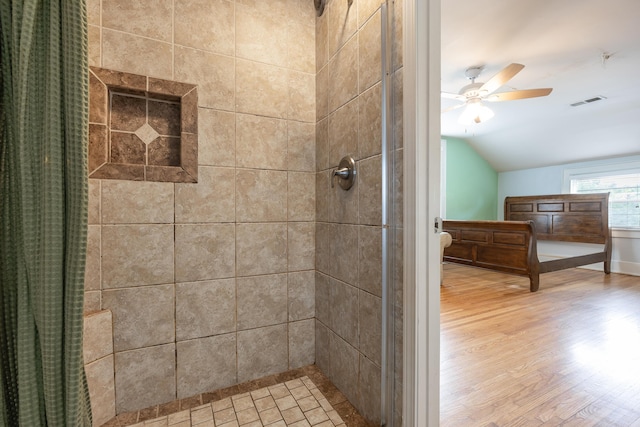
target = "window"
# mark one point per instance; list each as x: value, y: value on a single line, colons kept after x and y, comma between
x: 621, y: 181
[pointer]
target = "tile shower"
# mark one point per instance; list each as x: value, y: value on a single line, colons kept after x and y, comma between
x: 259, y: 267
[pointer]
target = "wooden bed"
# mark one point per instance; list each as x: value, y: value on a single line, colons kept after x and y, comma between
x: 510, y: 246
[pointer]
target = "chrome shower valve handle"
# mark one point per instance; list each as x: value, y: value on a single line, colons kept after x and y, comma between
x: 346, y: 172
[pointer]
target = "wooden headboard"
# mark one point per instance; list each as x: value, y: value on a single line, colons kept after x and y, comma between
x: 563, y: 217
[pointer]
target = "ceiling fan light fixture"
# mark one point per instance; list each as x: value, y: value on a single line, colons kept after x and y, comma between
x: 475, y: 112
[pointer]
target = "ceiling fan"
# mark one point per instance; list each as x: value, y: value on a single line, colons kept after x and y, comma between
x: 474, y: 93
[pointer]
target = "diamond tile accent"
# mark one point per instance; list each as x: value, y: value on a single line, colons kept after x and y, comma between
x: 146, y: 133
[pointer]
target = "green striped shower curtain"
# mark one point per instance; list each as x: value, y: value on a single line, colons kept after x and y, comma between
x: 43, y: 212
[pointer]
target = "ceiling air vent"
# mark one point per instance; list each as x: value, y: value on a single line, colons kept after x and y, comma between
x: 588, y: 101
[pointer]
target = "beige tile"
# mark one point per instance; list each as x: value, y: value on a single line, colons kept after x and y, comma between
x: 301, y: 244
x: 322, y: 145
x: 132, y: 202
x: 396, y: 51
x: 301, y: 47
x: 97, y: 336
x: 206, y: 364
x: 343, y: 309
x: 136, y: 255
x: 302, y: 96
x: 214, y: 75
x: 344, y: 367
x: 370, y: 321
x: 261, y: 89
x: 369, y: 390
x: 95, y: 41
x: 93, y: 12
x: 224, y: 416
x: 91, y: 301
x: 261, y: 37
x: 262, y: 352
x: 343, y: 133
x: 370, y: 122
x: 92, y: 265
x: 135, y: 54
x: 100, y: 376
x: 301, y: 295
x: 322, y: 347
x: 369, y: 53
x: 262, y: 301
x: 264, y: 403
x: 370, y: 191
x: 147, y: 18
x: 370, y: 259
x: 205, y: 252
x: 342, y: 25
x: 142, y: 316
x: 145, y: 377
x: 94, y: 201
x: 261, y: 142
x: 301, y: 146
x: 261, y: 195
x: 212, y: 199
x: 322, y: 93
x: 247, y: 416
x: 343, y: 75
x: 322, y: 41
x: 261, y: 249
x: 397, y: 90
x: 200, y: 414
x: 316, y: 416
x: 324, y: 247
x: 195, y: 317
x: 301, y: 196
x: 205, y: 24
x: 322, y: 293
x: 366, y: 8
x: 301, y: 343
x: 345, y: 258
x: 216, y: 138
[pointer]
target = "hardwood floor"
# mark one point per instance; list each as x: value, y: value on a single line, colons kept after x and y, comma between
x: 566, y: 355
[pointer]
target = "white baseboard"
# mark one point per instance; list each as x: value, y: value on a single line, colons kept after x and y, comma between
x: 617, y: 266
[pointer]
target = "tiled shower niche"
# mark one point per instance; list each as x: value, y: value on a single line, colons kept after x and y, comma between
x: 142, y: 128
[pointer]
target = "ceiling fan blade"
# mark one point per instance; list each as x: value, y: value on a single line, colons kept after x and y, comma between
x: 453, y: 96
x: 455, y: 107
x: 518, y: 94
x: 501, y: 78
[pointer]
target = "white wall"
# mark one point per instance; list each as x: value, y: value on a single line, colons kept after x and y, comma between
x: 548, y: 180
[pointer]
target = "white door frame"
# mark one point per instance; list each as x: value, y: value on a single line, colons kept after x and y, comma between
x: 421, y: 92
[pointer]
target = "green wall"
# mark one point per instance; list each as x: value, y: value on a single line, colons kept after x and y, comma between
x: 471, y: 183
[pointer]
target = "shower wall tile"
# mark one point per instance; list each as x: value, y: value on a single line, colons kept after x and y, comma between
x: 370, y: 326
x: 92, y: 265
x: 261, y: 142
x: 343, y: 205
x: 145, y: 377
x: 260, y: 36
x: 324, y: 193
x: 301, y: 196
x: 204, y: 252
x: 397, y: 108
x: 262, y: 352
x: 261, y: 89
x: 324, y: 246
x: 136, y: 255
x: 343, y: 75
x: 137, y: 55
x: 370, y: 393
x: 343, y: 300
x: 206, y: 25
x: 216, y: 137
x: 322, y: 41
x: 100, y: 375
x: 94, y: 201
x: 322, y: 144
x: 369, y: 53
x: 261, y: 249
x: 344, y: 369
x: 301, y: 46
x: 147, y: 18
x: 301, y: 243
x: 301, y: 146
x: 366, y: 8
x: 262, y: 301
x: 131, y: 202
x: 345, y: 259
x: 94, y: 43
x: 370, y: 259
x: 322, y: 93
x: 214, y: 75
x: 92, y: 301
x: 205, y: 308
x: 93, y: 12
x: 301, y: 343
x: 205, y: 364
x: 343, y: 133
x: 370, y: 200
x: 97, y: 336
x: 342, y: 25
x: 322, y: 297
x: 323, y: 353
x: 302, y: 96
x: 370, y: 122
x: 212, y: 199
x: 301, y: 295
x: 261, y: 195
x: 142, y: 317
x: 396, y: 51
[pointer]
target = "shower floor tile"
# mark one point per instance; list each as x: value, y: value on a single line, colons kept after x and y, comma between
x: 299, y: 398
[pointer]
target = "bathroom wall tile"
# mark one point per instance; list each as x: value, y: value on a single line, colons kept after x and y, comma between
x: 262, y: 352
x: 205, y: 308
x: 397, y: 108
x: 343, y: 21
x: 301, y: 146
x: 343, y: 75
x: 302, y: 96
x: 92, y: 265
x: 322, y: 93
x: 164, y: 151
x: 135, y: 54
x: 302, y: 246
x: 301, y: 196
x: 261, y: 249
x: 98, y: 145
x: 260, y: 36
x: 147, y: 18
x: 299, y: 11
x: 370, y: 201
x: 261, y: 195
x: 214, y: 75
x: 323, y: 196
x: 370, y: 259
x: 301, y: 48
x: 369, y: 382
x: 370, y: 122
x: 205, y: 252
x: 370, y: 326
x: 345, y: 259
x: 206, y: 364
x: 97, y: 336
x: 343, y: 133
x: 343, y: 303
x: 344, y: 367
x: 322, y: 41
x: 301, y: 295
x: 322, y: 295
x: 396, y: 52
x: 262, y: 301
x: 100, y: 374
x: 95, y: 42
x: 127, y: 148
x: 212, y: 199
x: 343, y: 205
x: 324, y: 246
x: 142, y: 316
x: 93, y: 12
x: 275, y: 10
x: 94, y: 201
x: 302, y: 342
x: 366, y: 8
x: 128, y: 113
x: 216, y: 137
x: 205, y: 24
x: 261, y: 142
x: 136, y: 255
x: 92, y: 301
x: 369, y: 53
x: 129, y: 202
x: 261, y: 89
x: 322, y: 145
x: 323, y: 352
x: 145, y: 377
